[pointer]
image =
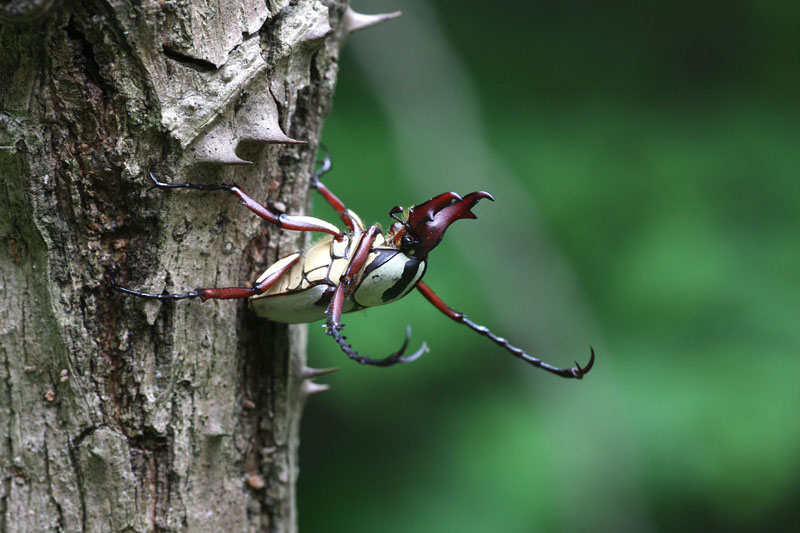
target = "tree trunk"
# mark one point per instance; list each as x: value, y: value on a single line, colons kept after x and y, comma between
x: 125, y: 414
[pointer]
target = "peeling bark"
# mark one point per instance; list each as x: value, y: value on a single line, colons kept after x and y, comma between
x: 116, y: 413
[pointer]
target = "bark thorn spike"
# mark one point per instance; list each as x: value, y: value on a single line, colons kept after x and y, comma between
x: 354, y: 21
x: 310, y: 373
x: 309, y: 387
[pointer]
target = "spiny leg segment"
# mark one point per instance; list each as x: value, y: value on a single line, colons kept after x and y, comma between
x: 333, y: 324
x: 577, y: 372
x: 218, y: 293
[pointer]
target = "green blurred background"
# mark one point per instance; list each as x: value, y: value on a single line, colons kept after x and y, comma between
x: 645, y: 162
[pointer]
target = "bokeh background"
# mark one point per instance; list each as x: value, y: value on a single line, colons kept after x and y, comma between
x: 645, y: 161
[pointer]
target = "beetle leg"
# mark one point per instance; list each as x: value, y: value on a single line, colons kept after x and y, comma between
x: 577, y: 372
x: 334, y: 311
x: 334, y: 326
x: 348, y: 217
x: 291, y: 222
x: 218, y: 293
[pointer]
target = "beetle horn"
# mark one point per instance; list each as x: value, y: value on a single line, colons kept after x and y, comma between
x: 461, y: 208
x: 429, y: 220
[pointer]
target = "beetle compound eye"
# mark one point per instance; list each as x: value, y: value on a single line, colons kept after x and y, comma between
x: 408, y: 243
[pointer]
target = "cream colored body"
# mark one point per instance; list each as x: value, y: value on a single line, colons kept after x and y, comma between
x: 303, y: 293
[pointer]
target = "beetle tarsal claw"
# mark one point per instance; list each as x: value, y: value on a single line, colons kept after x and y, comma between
x: 590, y: 364
x: 397, y: 357
x: 578, y: 372
x: 416, y: 355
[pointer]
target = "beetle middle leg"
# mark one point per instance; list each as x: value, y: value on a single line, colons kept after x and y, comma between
x: 290, y: 222
x: 334, y: 311
x: 270, y: 277
x: 577, y: 372
x: 350, y: 219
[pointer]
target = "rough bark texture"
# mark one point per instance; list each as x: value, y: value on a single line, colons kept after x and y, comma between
x: 123, y: 414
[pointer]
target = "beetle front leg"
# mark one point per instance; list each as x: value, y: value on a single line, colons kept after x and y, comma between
x: 350, y: 219
x: 290, y: 222
x: 577, y: 372
x: 333, y: 328
x: 334, y: 325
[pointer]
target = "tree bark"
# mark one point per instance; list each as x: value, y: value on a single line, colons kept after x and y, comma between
x: 124, y: 414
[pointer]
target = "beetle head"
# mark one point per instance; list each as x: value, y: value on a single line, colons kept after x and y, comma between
x: 426, y: 223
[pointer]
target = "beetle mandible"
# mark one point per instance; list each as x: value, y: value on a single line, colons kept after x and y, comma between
x: 351, y: 270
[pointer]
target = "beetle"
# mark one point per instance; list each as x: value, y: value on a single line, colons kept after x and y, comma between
x: 351, y: 270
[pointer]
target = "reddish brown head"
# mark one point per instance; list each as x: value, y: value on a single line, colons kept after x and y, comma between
x: 427, y: 222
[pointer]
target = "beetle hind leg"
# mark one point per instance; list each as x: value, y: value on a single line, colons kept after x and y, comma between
x: 126, y: 290
x: 267, y: 280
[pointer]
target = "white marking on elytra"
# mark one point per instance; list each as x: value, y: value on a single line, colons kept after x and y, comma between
x: 371, y: 290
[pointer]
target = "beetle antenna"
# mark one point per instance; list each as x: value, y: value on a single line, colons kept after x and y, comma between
x: 393, y: 213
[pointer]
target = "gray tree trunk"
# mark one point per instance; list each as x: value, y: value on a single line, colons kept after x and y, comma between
x: 124, y: 414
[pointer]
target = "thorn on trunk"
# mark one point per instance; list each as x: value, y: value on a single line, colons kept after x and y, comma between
x: 358, y: 21
x: 310, y: 373
x: 309, y: 387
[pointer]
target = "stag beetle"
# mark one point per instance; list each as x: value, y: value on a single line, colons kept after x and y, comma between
x: 351, y: 270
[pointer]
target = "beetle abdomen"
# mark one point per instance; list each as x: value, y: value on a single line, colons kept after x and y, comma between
x: 293, y: 307
x: 303, y: 293
x: 388, y: 276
